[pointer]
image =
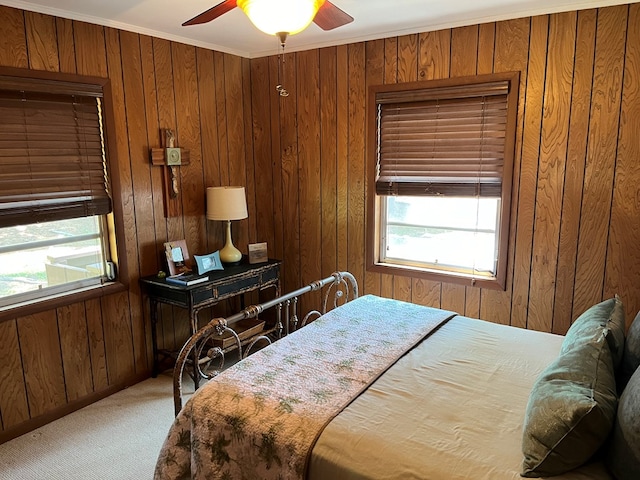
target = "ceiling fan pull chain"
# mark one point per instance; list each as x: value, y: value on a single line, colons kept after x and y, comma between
x: 279, y: 88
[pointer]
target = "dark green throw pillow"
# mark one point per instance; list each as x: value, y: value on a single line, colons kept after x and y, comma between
x: 571, y: 409
x: 624, y: 449
x: 631, y: 357
x: 608, y: 314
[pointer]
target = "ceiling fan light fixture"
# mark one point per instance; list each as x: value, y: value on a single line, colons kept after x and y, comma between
x: 274, y: 16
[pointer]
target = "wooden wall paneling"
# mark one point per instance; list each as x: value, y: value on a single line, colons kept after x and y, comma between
x: 131, y: 320
x: 250, y: 168
x: 464, y: 59
x: 66, y: 49
x: 14, y: 408
x: 90, y: 59
x: 529, y: 170
x: 601, y: 157
x: 118, y: 337
x: 622, y: 274
x: 234, y: 90
x: 139, y: 92
x: 551, y: 170
x: 42, y: 362
x: 221, y: 113
x: 235, y: 122
x: 374, y: 75
x: 574, y: 170
x: 342, y: 151
x: 426, y: 292
x: 185, y: 84
x: 250, y: 174
x: 309, y: 171
x: 390, y: 75
x: 97, y: 352
x: 273, y: 129
x: 434, y: 55
x: 434, y: 62
x: 166, y: 104
x: 484, y: 65
x: 356, y: 174
x: 13, y: 41
x: 407, y: 72
x: 208, y: 132
x: 486, y: 48
x: 74, y: 344
x: 188, y: 136
x: 42, y: 43
x: 407, y: 58
x: 289, y: 159
x: 137, y: 203
x: 91, y: 55
x: 464, y: 51
x: 328, y: 160
x: 152, y: 130
x: 217, y: 229
x: 511, y: 43
x: 261, y: 99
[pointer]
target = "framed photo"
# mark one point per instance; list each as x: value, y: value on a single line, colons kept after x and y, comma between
x: 208, y: 263
x: 258, y: 252
x: 177, y: 255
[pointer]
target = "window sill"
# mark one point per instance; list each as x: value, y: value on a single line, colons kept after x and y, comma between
x: 436, y: 275
x: 49, y: 303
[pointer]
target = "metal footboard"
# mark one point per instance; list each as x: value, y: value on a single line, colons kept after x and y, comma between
x: 339, y: 288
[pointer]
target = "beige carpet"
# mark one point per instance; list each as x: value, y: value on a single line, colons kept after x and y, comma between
x: 117, y: 438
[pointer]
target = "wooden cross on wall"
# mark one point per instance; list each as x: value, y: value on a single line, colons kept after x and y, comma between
x: 170, y: 157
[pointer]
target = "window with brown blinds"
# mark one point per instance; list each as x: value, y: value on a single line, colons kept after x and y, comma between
x: 440, y: 154
x: 444, y: 139
x: 52, y: 153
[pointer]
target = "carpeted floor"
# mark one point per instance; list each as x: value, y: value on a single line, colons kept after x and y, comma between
x: 117, y: 438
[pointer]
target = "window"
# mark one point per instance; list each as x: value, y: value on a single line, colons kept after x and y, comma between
x: 439, y: 197
x: 55, y: 203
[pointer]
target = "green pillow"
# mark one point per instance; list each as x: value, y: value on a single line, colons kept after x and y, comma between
x: 608, y: 314
x: 631, y: 357
x: 571, y: 409
x: 624, y: 449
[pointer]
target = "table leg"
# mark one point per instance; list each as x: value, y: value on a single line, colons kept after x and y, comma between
x: 195, y: 359
x: 154, y: 335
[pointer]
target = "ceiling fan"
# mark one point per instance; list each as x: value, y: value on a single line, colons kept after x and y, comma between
x: 280, y: 17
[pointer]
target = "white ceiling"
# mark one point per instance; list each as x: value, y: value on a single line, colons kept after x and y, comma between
x: 234, y: 33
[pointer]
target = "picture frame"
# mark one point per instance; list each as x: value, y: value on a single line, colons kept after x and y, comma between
x: 208, y: 263
x: 178, y: 260
x: 258, y: 252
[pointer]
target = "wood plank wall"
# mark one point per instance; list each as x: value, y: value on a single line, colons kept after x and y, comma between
x: 575, y: 207
x: 60, y: 360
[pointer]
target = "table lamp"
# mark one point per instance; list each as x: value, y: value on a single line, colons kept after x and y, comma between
x: 226, y: 204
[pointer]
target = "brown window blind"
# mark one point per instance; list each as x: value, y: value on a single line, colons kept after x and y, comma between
x: 52, y: 155
x: 447, y: 140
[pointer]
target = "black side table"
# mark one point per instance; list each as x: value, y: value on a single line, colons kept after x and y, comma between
x: 222, y: 284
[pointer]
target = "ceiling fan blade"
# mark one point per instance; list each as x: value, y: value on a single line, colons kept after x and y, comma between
x: 212, y: 13
x: 329, y: 17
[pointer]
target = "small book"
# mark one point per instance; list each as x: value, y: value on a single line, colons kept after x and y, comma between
x: 186, y: 279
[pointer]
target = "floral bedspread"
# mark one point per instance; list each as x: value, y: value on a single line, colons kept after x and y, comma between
x: 261, y: 418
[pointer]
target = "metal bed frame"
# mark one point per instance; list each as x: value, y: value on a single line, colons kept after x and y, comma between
x: 340, y: 288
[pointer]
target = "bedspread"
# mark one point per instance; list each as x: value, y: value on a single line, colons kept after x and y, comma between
x: 260, y: 419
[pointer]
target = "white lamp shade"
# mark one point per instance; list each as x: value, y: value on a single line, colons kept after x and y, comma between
x: 226, y: 203
x: 275, y: 16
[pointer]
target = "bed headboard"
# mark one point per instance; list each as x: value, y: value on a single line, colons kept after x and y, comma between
x: 337, y: 289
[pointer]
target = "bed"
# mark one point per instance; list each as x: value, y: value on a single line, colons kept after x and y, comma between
x: 382, y: 389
